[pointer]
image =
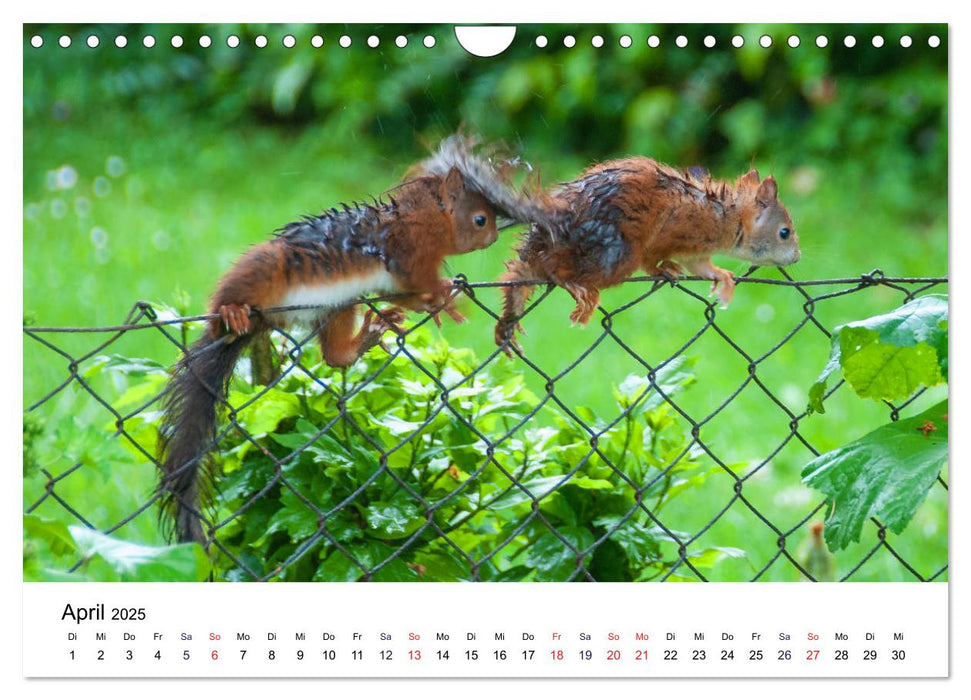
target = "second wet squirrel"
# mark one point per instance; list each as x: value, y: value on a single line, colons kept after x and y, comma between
x: 446, y: 206
x: 635, y: 213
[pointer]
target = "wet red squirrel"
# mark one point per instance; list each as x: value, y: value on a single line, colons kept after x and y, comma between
x: 637, y: 214
x: 447, y: 205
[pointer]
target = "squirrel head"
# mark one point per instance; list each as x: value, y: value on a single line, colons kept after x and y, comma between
x: 490, y: 175
x: 767, y: 235
x: 473, y: 219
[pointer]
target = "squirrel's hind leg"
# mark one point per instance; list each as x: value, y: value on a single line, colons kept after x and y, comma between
x: 515, y: 296
x: 342, y: 347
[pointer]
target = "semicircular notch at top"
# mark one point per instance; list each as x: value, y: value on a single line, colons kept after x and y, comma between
x: 485, y: 40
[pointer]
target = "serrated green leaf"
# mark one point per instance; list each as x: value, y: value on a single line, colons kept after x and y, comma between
x: 889, y: 356
x: 877, y: 370
x: 886, y: 474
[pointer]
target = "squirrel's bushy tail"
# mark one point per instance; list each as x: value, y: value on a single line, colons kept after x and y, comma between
x: 188, y: 430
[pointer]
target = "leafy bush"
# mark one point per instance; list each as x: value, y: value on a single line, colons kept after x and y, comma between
x: 887, y: 473
x: 403, y: 486
x: 407, y: 488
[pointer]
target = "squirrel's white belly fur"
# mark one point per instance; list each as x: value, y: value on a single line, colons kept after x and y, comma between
x: 334, y: 293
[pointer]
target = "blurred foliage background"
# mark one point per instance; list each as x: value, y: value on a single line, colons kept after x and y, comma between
x: 147, y: 171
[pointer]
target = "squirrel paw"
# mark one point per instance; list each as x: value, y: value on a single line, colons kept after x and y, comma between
x: 383, y: 321
x: 670, y: 270
x: 587, y: 302
x: 236, y: 318
x: 435, y: 304
x: 376, y: 324
x: 724, y: 288
x: 505, y: 336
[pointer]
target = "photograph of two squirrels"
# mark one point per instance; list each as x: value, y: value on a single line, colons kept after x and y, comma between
x: 603, y: 401
x: 615, y: 219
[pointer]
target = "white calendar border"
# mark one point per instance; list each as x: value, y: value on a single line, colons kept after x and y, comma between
x: 501, y: 11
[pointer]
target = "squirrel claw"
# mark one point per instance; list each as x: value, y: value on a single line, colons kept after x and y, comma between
x: 383, y: 321
x: 235, y: 318
x: 670, y: 270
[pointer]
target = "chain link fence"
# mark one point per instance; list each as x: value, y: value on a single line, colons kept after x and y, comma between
x: 645, y: 492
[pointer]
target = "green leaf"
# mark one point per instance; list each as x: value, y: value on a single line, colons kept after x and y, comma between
x: 266, y: 414
x: 886, y: 474
x: 54, y: 533
x: 877, y: 370
x: 295, y: 518
x: 818, y: 390
x: 393, y: 519
x: 708, y: 557
x: 554, y: 559
x: 889, y: 356
x: 136, y: 562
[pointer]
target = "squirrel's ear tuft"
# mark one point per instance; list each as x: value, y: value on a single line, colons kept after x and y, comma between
x: 768, y: 192
x: 453, y: 186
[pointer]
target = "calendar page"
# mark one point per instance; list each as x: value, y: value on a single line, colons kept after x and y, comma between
x: 389, y: 333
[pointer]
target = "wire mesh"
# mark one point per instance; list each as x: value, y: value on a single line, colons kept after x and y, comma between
x: 446, y: 518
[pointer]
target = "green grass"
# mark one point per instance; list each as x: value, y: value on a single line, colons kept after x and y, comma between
x: 192, y: 197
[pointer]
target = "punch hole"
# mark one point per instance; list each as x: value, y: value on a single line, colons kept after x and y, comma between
x: 625, y: 41
x: 793, y: 42
x: 654, y: 41
x: 597, y: 41
x: 344, y: 41
x: 877, y: 41
x: 483, y: 41
x: 373, y: 41
x: 289, y: 41
x: 906, y: 41
x: 738, y: 41
x: 93, y: 41
x: 401, y: 41
x: 176, y: 41
x: 542, y: 41
x: 260, y: 41
x: 849, y: 41
x: 232, y: 41
x: 64, y: 41
x: 822, y: 42
x: 37, y: 41
x: 765, y: 41
x: 428, y: 41
x: 316, y: 41
x: 681, y: 41
x: 148, y: 41
x: 569, y: 41
x: 121, y: 41
x: 709, y: 41
x: 934, y: 41
x: 205, y: 41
